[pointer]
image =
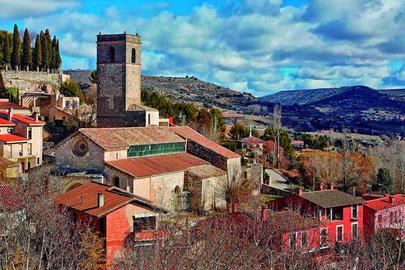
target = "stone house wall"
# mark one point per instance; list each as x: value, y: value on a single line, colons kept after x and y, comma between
x: 65, y: 157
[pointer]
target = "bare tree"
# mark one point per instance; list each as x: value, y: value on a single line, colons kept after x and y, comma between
x: 37, y: 234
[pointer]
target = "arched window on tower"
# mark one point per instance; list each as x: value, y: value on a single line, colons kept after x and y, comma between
x: 112, y: 54
x: 133, y: 57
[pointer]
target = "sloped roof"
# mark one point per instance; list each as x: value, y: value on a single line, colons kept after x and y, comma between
x: 4, y: 122
x: 11, y: 138
x: 252, y: 141
x: 192, y: 135
x: 85, y: 199
x: 331, y: 198
x: 205, y: 171
x: 22, y: 118
x: 155, y: 165
x: 121, y: 138
x: 386, y: 202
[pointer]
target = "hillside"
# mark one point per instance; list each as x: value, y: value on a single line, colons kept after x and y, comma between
x: 311, y: 96
x: 358, y: 108
x: 191, y: 89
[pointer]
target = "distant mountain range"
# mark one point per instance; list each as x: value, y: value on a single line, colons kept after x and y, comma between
x: 311, y: 96
x: 358, y: 108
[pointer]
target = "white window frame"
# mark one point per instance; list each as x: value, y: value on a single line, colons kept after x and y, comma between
x: 357, y: 211
x: 357, y: 233
x: 343, y: 233
x: 320, y: 237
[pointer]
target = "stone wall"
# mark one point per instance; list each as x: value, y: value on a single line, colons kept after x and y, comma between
x: 30, y: 81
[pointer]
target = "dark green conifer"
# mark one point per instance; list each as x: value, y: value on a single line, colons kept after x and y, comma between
x: 38, y: 52
x: 15, y: 57
x: 6, y: 49
x: 26, y: 59
x: 58, y: 59
x: 44, y: 51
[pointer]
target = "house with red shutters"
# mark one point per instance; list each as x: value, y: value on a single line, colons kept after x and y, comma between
x: 387, y: 212
x: 340, y: 214
x: 119, y: 217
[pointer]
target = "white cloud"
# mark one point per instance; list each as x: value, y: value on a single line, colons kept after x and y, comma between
x: 326, y: 43
x: 16, y: 9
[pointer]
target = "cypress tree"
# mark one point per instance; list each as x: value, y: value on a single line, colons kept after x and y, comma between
x: 26, y: 60
x: 15, y: 57
x: 58, y: 59
x: 38, y: 52
x: 44, y: 51
x: 53, y: 53
x: 48, y: 48
x: 6, y: 49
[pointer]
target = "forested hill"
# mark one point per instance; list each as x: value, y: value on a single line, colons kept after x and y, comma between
x: 312, y: 96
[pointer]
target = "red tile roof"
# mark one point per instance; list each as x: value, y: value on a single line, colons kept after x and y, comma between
x: 85, y: 199
x: 251, y: 141
x: 8, y: 198
x: 155, y: 165
x: 192, y: 135
x: 6, y: 104
x: 11, y: 138
x: 22, y: 118
x: 121, y: 138
x: 386, y: 202
x: 6, y: 122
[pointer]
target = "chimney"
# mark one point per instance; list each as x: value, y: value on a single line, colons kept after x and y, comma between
x: 10, y: 114
x: 299, y: 191
x: 35, y: 113
x: 332, y: 186
x: 321, y: 186
x: 100, y: 200
x: 81, y: 199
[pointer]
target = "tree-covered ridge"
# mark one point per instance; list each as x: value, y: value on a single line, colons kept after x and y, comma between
x: 29, y: 51
x: 208, y: 122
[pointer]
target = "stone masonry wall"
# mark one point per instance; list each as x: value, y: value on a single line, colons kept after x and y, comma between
x: 30, y: 81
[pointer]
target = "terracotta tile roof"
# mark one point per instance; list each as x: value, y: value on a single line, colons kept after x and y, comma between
x: 6, y: 104
x: 122, y: 138
x: 331, y: 198
x: 192, y: 135
x: 8, y: 198
x: 155, y: 165
x: 252, y: 141
x: 85, y: 199
x: 4, y: 122
x: 22, y: 118
x: 386, y: 202
x: 205, y: 171
x: 11, y: 138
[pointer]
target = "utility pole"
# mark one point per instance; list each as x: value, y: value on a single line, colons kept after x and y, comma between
x: 276, y: 127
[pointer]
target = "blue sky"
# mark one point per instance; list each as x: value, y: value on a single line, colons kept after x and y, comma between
x: 258, y: 46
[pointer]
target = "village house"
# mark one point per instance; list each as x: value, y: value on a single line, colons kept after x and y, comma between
x: 387, y: 212
x: 340, y: 214
x: 118, y: 217
x: 152, y: 162
x: 20, y: 141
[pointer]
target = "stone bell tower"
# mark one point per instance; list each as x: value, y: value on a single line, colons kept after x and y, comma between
x: 118, y: 78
